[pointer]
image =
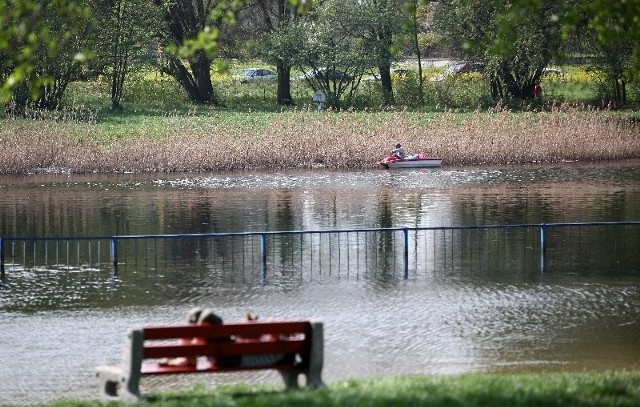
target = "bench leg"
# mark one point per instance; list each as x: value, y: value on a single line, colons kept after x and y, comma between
x: 314, y: 380
x: 290, y: 379
x: 314, y: 374
x: 123, y: 382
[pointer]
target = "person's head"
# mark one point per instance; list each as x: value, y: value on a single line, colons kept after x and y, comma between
x: 398, y: 145
x: 194, y: 314
x: 208, y: 317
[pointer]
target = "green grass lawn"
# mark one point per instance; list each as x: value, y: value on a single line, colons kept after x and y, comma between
x: 151, y: 93
x: 544, y: 389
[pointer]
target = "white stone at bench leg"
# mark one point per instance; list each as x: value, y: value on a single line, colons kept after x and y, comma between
x: 314, y: 374
x: 124, y: 382
x: 109, y: 378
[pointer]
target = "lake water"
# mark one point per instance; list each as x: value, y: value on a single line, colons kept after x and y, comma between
x: 59, y: 327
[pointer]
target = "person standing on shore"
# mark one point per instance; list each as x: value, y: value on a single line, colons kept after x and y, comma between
x: 537, y: 90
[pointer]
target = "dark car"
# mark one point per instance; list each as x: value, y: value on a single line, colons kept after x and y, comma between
x: 394, y: 72
x: 460, y: 68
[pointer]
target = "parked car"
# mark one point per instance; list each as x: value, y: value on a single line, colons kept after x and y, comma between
x: 256, y: 74
x: 395, y: 72
x: 460, y: 68
x: 552, y: 72
x: 330, y: 74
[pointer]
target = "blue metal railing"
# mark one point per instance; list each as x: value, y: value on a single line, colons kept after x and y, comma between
x: 421, y: 250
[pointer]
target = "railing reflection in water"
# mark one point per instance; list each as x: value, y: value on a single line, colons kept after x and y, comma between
x: 356, y: 253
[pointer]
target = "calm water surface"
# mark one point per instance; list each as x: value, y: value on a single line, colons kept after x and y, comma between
x: 59, y: 327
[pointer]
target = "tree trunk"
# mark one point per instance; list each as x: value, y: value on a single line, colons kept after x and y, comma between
x: 196, y: 83
x: 119, y: 54
x: 185, y: 19
x: 284, y: 84
x: 496, y: 89
x: 418, y: 54
x: 117, y: 81
x: 385, y: 80
x: 384, y: 37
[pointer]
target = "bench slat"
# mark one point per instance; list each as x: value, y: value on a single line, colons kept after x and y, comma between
x: 225, y: 349
x: 155, y: 369
x: 247, y: 329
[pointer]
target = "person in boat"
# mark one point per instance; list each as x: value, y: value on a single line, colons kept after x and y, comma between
x: 399, y: 151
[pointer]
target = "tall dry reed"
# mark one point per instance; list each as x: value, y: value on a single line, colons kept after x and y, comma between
x: 334, y: 140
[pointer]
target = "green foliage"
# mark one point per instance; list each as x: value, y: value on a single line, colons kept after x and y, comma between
x: 152, y: 91
x: 45, y: 45
x: 123, y: 37
x: 286, y: 43
x: 338, y: 36
x: 32, y: 32
x: 516, y: 41
x: 467, y: 91
x: 613, y: 21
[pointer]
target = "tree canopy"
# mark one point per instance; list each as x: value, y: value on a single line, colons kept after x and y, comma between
x: 44, y: 44
x: 32, y: 32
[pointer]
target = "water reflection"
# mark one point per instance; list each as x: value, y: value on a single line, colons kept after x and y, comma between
x: 128, y: 204
x: 441, y: 320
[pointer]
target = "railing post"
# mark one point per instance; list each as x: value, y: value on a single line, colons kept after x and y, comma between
x: 406, y: 253
x: 1, y: 258
x: 543, y: 248
x: 114, y: 256
x: 263, y: 249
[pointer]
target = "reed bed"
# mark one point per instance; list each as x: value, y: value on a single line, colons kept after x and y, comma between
x: 345, y: 140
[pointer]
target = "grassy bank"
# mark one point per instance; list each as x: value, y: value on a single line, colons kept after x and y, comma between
x: 160, y: 131
x: 554, y: 389
x: 226, y: 141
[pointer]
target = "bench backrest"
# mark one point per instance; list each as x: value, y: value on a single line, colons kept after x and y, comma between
x: 214, y: 340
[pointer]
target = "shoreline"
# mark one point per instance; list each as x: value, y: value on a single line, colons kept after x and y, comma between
x: 302, y: 140
x: 624, y: 162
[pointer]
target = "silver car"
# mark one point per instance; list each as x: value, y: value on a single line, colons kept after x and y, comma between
x: 256, y: 74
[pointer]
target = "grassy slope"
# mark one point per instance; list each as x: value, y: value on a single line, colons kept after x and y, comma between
x: 556, y: 389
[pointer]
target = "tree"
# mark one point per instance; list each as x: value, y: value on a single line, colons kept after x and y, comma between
x: 269, y: 18
x: 414, y: 10
x: 330, y: 47
x: 612, y: 35
x: 35, y: 37
x: 124, y: 33
x: 503, y: 29
x: 516, y: 43
x: 615, y: 22
x: 377, y: 23
x: 615, y: 62
x: 184, y: 21
x: 283, y: 46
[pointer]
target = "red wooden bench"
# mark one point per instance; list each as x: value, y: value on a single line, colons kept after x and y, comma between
x: 146, y: 346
